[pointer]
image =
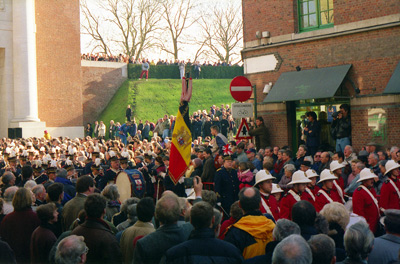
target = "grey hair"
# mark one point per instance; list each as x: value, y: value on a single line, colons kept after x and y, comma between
x: 111, y: 192
x: 360, y: 165
x: 217, y: 218
x: 7, y: 177
x: 382, y: 162
x: 292, y: 250
x: 131, y: 211
x: 322, y: 248
x: 285, y: 228
x: 30, y: 184
x: 393, y: 149
x: 336, y: 213
x: 9, y: 193
x: 38, y: 189
x: 358, y: 240
x: 290, y: 167
x: 70, y: 249
x: 350, y: 147
x: 375, y: 156
x: 168, y: 209
x: 127, y: 202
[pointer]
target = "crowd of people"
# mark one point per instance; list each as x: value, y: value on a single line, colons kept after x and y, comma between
x: 238, y: 202
x: 127, y: 59
x: 201, y: 123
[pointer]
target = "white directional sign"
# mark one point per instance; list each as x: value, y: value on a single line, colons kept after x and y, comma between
x: 241, y: 110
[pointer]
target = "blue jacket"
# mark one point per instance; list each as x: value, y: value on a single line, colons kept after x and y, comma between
x: 386, y: 249
x: 203, y: 247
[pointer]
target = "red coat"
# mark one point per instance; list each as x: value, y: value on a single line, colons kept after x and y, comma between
x: 389, y: 197
x: 287, y: 203
x: 363, y: 205
x: 321, y: 200
x: 340, y: 183
x: 314, y: 190
x: 272, y: 204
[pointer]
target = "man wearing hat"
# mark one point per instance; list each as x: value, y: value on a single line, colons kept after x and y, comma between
x: 312, y: 187
x: 296, y: 194
x: 97, y: 174
x: 251, y: 155
x: 338, y: 184
x: 390, y: 191
x: 114, y: 169
x: 386, y: 248
x: 260, y: 133
x: 51, y: 173
x: 268, y: 204
x: 364, y: 199
x: 325, y: 195
x: 39, y: 175
x: 226, y: 184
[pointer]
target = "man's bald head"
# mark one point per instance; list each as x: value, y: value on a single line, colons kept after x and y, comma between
x: 249, y: 199
x: 168, y: 209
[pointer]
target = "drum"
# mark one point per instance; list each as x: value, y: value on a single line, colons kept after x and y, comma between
x: 130, y: 183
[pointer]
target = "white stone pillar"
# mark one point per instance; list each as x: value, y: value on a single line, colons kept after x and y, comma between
x: 24, y: 62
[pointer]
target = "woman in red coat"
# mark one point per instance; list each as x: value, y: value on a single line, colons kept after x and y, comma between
x: 17, y: 227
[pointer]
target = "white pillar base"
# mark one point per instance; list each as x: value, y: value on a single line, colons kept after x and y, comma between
x: 29, y: 129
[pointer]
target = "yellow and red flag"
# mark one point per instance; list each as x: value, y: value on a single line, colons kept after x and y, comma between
x: 179, y: 158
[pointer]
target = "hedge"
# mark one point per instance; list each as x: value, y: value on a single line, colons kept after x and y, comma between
x: 172, y: 72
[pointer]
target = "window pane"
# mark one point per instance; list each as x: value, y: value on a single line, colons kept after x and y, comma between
x: 304, y: 8
x: 313, y: 20
x: 330, y: 4
x: 324, y: 18
x: 331, y: 16
x: 323, y: 5
x: 312, y: 6
x: 304, y: 21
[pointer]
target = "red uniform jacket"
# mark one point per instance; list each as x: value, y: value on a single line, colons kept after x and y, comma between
x: 270, y: 200
x: 321, y: 200
x: 315, y: 190
x: 287, y: 203
x: 363, y: 205
x: 389, y: 197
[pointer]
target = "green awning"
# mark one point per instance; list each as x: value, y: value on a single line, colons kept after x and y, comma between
x: 307, y: 84
x: 393, y: 86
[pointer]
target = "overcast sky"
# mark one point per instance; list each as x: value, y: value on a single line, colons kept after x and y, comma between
x: 187, y: 51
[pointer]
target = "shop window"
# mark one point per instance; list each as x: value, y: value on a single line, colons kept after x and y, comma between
x: 315, y: 14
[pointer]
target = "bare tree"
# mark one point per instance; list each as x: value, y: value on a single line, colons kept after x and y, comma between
x: 92, y: 27
x: 223, y: 31
x: 132, y: 24
x: 176, y: 14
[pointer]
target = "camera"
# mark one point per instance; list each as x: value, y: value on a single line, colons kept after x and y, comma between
x: 335, y: 114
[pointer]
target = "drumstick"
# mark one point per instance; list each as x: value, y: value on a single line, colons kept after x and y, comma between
x: 158, y: 187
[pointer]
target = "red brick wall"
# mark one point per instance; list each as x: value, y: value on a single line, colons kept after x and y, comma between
x: 99, y: 86
x: 277, y: 17
x: 346, y: 11
x: 373, y: 54
x: 276, y: 122
x: 58, y: 62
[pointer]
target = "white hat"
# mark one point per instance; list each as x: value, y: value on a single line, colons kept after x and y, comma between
x: 299, y: 177
x: 336, y: 165
x: 391, y: 165
x: 311, y: 173
x: 366, y: 174
x: 263, y: 175
x: 276, y: 188
x: 327, y: 175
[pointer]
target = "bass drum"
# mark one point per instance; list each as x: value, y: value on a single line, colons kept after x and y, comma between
x: 130, y: 183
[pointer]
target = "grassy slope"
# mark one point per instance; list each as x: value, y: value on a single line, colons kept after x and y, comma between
x: 157, y: 97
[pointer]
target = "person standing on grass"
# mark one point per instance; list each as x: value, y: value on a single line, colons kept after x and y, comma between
x: 128, y: 113
x: 145, y: 70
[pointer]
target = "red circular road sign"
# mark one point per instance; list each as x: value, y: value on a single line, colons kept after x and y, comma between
x: 241, y: 88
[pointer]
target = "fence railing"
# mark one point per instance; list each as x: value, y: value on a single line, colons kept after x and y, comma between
x: 172, y: 72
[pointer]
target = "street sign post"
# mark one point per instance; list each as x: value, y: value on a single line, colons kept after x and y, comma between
x: 241, y: 89
x: 241, y: 110
x: 243, y: 131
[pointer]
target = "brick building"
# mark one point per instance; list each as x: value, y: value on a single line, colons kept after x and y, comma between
x: 43, y: 83
x: 313, y: 55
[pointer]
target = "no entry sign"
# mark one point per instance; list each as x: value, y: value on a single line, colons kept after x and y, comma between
x: 241, y: 88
